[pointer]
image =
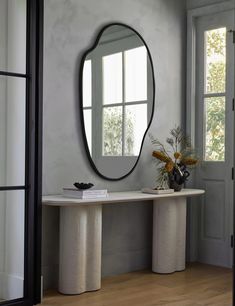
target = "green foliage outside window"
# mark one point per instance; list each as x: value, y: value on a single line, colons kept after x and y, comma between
x: 112, y: 133
x: 215, y: 126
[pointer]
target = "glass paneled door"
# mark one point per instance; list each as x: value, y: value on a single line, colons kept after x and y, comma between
x: 215, y: 136
x: 19, y: 151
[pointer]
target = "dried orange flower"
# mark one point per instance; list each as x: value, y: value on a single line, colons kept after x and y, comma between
x: 177, y: 155
x: 169, y: 166
x: 161, y: 156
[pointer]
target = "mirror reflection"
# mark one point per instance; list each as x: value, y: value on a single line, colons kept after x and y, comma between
x: 117, y: 100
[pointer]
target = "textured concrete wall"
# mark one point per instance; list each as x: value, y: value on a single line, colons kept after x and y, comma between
x: 70, y: 28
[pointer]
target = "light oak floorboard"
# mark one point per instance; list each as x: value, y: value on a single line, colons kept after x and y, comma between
x: 198, y: 285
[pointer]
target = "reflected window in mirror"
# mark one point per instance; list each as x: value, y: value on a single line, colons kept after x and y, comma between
x: 117, y: 99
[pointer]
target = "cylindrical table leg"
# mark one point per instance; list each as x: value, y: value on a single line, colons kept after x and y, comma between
x: 80, y: 249
x: 169, y: 235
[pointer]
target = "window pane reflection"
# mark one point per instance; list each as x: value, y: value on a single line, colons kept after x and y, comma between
x: 112, y: 131
x: 136, y: 74
x: 112, y: 78
x: 88, y: 127
x: 87, y: 83
x: 135, y: 127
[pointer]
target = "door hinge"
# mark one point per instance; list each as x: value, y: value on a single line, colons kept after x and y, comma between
x: 233, y: 32
x: 232, y: 241
x: 233, y: 104
x: 232, y: 173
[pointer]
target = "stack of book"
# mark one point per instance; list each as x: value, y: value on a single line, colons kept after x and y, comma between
x: 85, y: 194
x: 157, y: 191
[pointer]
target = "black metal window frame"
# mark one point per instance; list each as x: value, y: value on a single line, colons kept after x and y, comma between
x: 33, y: 156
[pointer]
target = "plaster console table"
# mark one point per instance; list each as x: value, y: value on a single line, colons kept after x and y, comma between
x: 81, y: 234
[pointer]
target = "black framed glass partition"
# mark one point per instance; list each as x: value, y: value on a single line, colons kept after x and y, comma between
x: 20, y: 150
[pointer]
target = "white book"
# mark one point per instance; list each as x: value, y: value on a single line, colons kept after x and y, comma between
x: 84, y: 197
x: 85, y: 194
x: 157, y: 191
x: 87, y: 191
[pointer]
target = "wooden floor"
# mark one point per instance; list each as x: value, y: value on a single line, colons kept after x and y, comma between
x: 196, y: 286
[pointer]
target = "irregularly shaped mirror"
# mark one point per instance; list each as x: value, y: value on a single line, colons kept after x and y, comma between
x: 117, y: 94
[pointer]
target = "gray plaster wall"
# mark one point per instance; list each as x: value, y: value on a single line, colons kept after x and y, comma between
x: 191, y: 4
x: 70, y: 28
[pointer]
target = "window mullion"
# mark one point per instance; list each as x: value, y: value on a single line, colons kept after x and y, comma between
x: 14, y: 74
x: 214, y: 95
x: 6, y: 188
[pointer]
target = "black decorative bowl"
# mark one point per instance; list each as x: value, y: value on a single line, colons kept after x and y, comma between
x: 83, y: 185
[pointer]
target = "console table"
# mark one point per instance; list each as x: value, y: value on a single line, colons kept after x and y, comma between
x: 81, y: 234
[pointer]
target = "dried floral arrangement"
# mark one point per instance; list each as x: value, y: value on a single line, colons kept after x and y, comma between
x: 174, y: 159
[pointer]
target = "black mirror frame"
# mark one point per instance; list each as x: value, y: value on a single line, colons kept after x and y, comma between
x: 81, y: 100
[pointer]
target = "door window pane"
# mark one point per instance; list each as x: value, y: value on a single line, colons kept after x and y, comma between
x: 112, y: 131
x: 215, y: 60
x: 87, y: 84
x: 135, y: 127
x: 12, y: 131
x: 12, y: 211
x: 13, y: 35
x: 214, y: 129
x: 112, y: 78
x: 136, y: 74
